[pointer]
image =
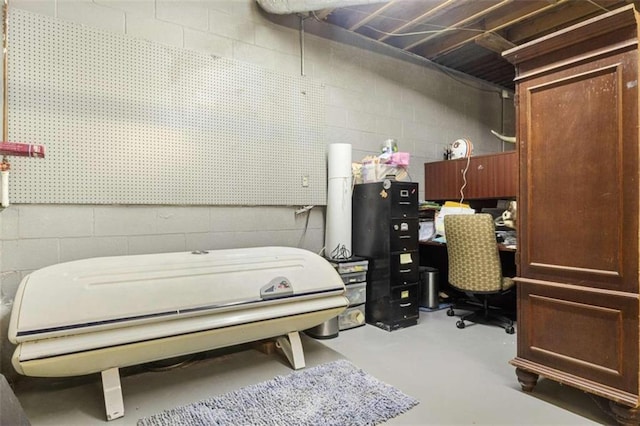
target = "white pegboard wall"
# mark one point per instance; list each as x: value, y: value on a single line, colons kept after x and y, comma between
x: 128, y: 121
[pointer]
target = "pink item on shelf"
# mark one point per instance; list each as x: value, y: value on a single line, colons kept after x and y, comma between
x: 399, y: 158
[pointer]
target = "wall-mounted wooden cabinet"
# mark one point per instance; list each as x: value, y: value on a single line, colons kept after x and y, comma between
x: 578, y: 225
x: 487, y: 176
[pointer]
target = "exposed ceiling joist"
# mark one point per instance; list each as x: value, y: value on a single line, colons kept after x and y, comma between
x: 465, y: 35
x: 504, y: 17
x: 564, y: 14
x: 366, y: 19
x: 459, y: 24
x: 494, y: 42
x: 444, y: 5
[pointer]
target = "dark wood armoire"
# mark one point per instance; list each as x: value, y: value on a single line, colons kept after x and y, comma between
x: 577, y: 130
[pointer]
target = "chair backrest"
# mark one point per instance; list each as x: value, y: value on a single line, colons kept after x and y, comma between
x: 474, y: 261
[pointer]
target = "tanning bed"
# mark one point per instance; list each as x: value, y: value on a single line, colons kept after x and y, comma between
x: 102, y: 314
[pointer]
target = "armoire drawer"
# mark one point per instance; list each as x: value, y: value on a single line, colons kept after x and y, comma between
x: 589, y: 333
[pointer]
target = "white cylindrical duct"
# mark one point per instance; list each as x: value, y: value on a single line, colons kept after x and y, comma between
x: 338, y: 226
x: 284, y: 7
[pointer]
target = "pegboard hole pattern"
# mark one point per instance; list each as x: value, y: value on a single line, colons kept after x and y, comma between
x: 129, y: 121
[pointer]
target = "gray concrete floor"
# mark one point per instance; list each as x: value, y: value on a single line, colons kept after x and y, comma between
x: 460, y: 377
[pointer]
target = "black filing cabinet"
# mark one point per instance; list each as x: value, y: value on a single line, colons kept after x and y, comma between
x: 385, y: 231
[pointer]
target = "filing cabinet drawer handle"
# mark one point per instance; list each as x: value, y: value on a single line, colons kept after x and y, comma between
x: 405, y: 305
x: 404, y: 202
x: 404, y: 271
x: 405, y: 236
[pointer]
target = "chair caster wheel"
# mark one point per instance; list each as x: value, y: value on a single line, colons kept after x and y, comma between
x: 450, y: 312
x: 510, y: 330
x: 460, y: 324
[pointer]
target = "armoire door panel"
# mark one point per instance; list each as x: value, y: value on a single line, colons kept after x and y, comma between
x: 577, y: 179
x: 591, y: 334
x: 558, y: 133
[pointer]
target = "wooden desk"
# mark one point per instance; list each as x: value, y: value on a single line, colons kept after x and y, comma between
x: 501, y: 247
x: 434, y: 254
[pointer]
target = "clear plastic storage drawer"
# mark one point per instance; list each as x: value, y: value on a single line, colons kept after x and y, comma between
x: 357, y: 293
x: 352, y: 317
x: 351, y: 267
x: 357, y: 277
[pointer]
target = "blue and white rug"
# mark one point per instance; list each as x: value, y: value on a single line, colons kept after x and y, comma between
x: 336, y: 393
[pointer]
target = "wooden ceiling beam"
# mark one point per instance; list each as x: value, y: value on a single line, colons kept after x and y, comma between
x: 460, y: 23
x: 420, y: 19
x: 563, y: 15
x: 525, y: 10
x: 449, y: 41
x: 515, y: 13
x: 465, y: 30
x: 494, y: 42
x: 371, y: 16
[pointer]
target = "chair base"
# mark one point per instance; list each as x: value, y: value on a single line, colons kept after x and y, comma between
x: 483, y: 315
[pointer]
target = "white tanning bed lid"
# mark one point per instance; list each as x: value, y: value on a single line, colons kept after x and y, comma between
x: 111, y: 291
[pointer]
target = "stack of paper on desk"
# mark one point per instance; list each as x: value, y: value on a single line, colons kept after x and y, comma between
x: 450, y: 207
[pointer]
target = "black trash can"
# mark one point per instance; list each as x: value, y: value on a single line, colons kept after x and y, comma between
x: 429, y: 297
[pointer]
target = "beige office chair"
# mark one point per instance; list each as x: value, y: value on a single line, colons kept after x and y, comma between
x: 475, y: 269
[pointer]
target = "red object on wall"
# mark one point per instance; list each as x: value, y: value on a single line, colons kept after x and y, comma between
x: 21, y: 149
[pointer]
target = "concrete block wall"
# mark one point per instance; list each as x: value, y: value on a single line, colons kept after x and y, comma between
x: 370, y: 97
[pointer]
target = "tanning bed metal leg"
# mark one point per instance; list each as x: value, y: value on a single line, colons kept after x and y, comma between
x: 292, y: 348
x: 112, y: 393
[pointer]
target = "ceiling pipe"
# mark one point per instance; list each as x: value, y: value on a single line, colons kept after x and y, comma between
x: 285, y: 7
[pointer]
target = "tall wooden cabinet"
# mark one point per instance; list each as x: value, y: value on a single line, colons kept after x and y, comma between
x: 577, y: 130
